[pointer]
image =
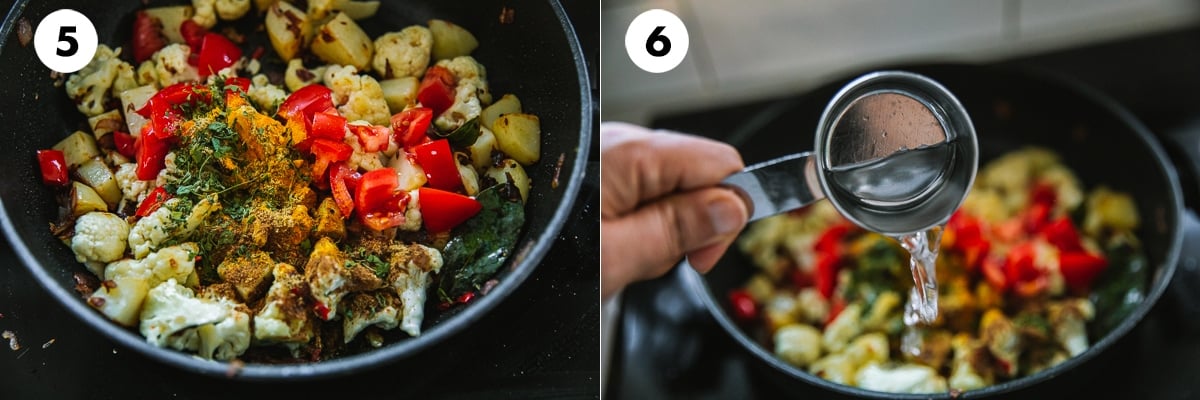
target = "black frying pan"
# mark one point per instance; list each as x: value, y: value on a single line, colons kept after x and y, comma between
x: 1102, y: 142
x: 536, y: 57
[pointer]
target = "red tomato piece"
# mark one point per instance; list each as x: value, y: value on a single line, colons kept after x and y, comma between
x: 126, y: 144
x: 307, y: 101
x: 193, y: 33
x: 743, y: 306
x: 1062, y: 234
x: 152, y: 202
x: 974, y: 251
x: 438, y: 162
x: 166, y: 99
x: 1080, y: 268
x: 441, y: 211
x: 216, y: 53
x: 379, y: 201
x: 372, y: 138
x: 826, y: 274
x: 151, y: 153
x: 437, y: 89
x: 830, y: 240
x: 409, y: 126
x: 327, y: 151
x: 237, y: 81
x: 328, y: 125
x: 1036, y: 217
x: 147, y: 36
x: 993, y: 272
x: 1044, y: 194
x: 341, y: 193
x: 54, y: 167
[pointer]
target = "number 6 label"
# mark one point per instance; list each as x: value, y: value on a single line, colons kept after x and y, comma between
x: 65, y: 41
x: 656, y: 41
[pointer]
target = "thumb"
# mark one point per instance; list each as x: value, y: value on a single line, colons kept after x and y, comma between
x: 647, y: 242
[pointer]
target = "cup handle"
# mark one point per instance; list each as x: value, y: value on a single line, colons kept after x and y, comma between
x: 777, y: 186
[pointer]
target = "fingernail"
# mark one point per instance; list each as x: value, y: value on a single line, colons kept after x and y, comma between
x: 726, y: 216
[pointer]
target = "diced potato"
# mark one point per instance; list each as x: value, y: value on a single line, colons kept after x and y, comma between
x: 357, y: 10
x: 400, y: 92
x: 341, y: 41
x: 798, y: 344
x: 133, y: 100
x: 122, y: 302
x: 467, y: 172
x: 172, y: 17
x: 84, y: 200
x: 519, y: 136
x: 511, y: 171
x: 411, y: 175
x: 481, y: 150
x: 297, y: 76
x: 106, y: 123
x: 78, y: 148
x: 319, y: 10
x: 508, y: 104
x: 450, y: 40
x: 96, y: 174
x: 287, y: 27
x: 1107, y: 209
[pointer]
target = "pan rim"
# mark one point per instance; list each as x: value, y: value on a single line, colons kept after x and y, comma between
x: 520, y: 268
x: 1165, y: 270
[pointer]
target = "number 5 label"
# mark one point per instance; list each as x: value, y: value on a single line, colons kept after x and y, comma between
x: 656, y: 41
x: 65, y: 41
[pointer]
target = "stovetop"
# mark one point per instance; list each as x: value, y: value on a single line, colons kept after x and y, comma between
x: 540, y: 343
x: 668, y: 346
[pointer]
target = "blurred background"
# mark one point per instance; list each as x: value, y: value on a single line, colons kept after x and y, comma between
x: 747, y: 50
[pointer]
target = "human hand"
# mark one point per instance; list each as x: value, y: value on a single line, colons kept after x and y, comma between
x: 659, y: 201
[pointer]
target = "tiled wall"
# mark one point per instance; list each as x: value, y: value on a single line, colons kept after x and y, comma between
x: 754, y: 48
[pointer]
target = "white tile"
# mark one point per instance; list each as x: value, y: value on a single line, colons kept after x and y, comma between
x: 623, y: 86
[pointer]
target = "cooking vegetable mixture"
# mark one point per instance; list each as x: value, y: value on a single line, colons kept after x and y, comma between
x: 226, y: 206
x: 1027, y: 266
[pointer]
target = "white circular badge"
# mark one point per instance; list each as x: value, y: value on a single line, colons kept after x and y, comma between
x: 65, y: 41
x: 656, y: 41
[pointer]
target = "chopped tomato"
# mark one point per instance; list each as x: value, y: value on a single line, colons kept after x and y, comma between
x: 341, y: 193
x: 151, y: 153
x: 831, y: 239
x: 409, y: 126
x: 962, y: 228
x: 126, y: 144
x: 437, y: 89
x: 193, y: 33
x: 1036, y: 217
x: 993, y: 272
x: 169, y: 97
x: 1080, y: 268
x: 216, y: 53
x: 54, y: 167
x: 372, y: 138
x: 147, y: 36
x: 441, y: 211
x: 379, y: 201
x: 155, y: 199
x: 1062, y: 234
x: 307, y: 101
x: 744, y: 307
x: 438, y: 162
x: 826, y: 275
x: 328, y: 125
x: 238, y: 82
x: 974, y: 251
x: 1044, y: 194
x: 836, y: 306
x: 328, y: 151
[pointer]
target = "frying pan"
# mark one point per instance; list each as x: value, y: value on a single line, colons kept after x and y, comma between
x: 1099, y: 140
x: 537, y: 57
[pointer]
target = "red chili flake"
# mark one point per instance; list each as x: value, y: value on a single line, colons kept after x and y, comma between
x: 258, y: 52
x: 322, y: 310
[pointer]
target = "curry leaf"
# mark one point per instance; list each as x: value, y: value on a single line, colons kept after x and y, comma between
x: 479, y: 247
x: 465, y: 135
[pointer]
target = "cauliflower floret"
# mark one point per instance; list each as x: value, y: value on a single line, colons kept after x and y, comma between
x: 835, y: 368
x: 907, y: 378
x: 379, y: 308
x: 175, y: 262
x: 359, y: 158
x: 1069, y: 319
x: 466, y: 106
x: 170, y: 310
x: 131, y: 187
x: 89, y: 87
x: 171, y: 65
x: 331, y: 277
x: 469, y: 71
x: 358, y: 97
x: 230, y: 10
x: 403, y: 53
x: 125, y: 79
x: 844, y: 327
x: 227, y: 339
x: 284, y: 317
x: 410, y: 276
x: 168, y: 173
x: 147, y: 73
x: 798, y: 344
x: 265, y: 96
x: 99, y: 237
x: 206, y: 14
x: 412, y: 214
x: 155, y: 228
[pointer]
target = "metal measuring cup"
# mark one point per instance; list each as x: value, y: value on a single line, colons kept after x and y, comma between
x: 895, y: 153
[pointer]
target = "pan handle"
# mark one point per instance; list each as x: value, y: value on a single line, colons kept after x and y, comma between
x: 1184, y: 143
